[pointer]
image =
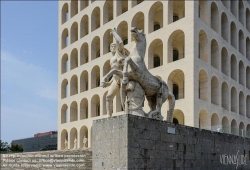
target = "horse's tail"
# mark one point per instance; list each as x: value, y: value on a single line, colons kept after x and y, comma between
x: 171, y: 101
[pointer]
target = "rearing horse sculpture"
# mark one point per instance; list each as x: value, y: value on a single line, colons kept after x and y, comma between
x: 156, y: 89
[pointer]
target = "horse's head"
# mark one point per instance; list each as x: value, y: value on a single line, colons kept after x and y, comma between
x: 137, y: 35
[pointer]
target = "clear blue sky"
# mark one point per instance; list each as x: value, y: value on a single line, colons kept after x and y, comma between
x: 29, y: 44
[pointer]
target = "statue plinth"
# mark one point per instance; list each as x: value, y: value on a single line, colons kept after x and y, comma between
x: 132, y: 142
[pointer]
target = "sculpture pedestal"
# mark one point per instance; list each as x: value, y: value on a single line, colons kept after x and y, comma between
x: 131, y: 142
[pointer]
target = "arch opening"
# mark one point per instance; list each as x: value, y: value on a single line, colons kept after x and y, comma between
x: 108, y: 11
x: 176, y: 46
x: 64, y: 64
x: 214, y: 54
x: 122, y: 30
x: 95, y: 48
x: 84, y: 54
x: 138, y: 21
x: 224, y: 61
x: 204, y: 122
x: 176, y: 84
x: 84, y: 25
x: 176, y: 10
x: 73, y: 59
x: 84, y: 109
x: 73, y: 136
x: 95, y: 77
x: 241, y: 104
x: 64, y: 114
x: 74, y: 33
x: 95, y: 19
x: 64, y: 89
x: 215, y: 123
x: 65, y: 13
x: 225, y: 125
x: 155, y: 54
x: 73, y: 112
x: 233, y: 34
x: 215, y: 91
x: 73, y: 85
x: 233, y: 100
x: 225, y: 96
x: 73, y: 8
x: 233, y: 67
x: 155, y: 17
x: 224, y: 27
x: 241, y: 73
x: 203, y: 46
x: 122, y: 7
x: 95, y: 106
x: 214, y: 17
x: 178, y: 117
x: 84, y: 81
x: 203, y: 85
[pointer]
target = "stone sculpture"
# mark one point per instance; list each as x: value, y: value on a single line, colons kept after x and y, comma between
x: 85, y: 144
x: 75, y: 143
x: 66, y: 144
x: 135, y: 99
x: 119, y: 53
x: 134, y: 69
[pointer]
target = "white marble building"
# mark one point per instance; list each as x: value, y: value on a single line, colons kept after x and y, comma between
x: 200, y: 48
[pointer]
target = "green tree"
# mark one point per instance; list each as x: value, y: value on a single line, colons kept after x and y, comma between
x: 16, y: 147
x: 4, y: 146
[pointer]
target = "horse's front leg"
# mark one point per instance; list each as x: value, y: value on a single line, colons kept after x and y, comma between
x: 135, y: 69
x: 125, y: 71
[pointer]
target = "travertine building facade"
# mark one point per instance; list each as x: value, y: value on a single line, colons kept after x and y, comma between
x: 200, y: 48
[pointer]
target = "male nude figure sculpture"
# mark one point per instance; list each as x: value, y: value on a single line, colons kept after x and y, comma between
x: 116, y: 62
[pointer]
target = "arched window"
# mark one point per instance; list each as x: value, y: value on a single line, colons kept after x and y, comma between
x: 65, y: 13
x: 156, y: 26
x: 64, y: 65
x: 157, y: 61
x: 176, y: 83
x: 95, y: 77
x: 176, y: 91
x: 108, y: 11
x: 155, y: 17
x: 95, y: 106
x: 84, y: 109
x: 175, y: 55
x: 215, y: 60
x: 65, y: 38
x: 241, y: 12
x: 138, y: 21
x: 84, y: 27
x: 122, y: 6
x: 95, y: 48
x: 214, y: 17
x: 95, y: 19
x: 74, y: 8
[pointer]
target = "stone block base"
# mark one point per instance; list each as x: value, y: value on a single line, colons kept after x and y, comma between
x: 131, y: 142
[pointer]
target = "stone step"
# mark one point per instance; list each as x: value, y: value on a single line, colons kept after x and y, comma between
x: 49, y: 160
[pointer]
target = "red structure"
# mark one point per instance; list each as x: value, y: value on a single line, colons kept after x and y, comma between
x: 45, y: 133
